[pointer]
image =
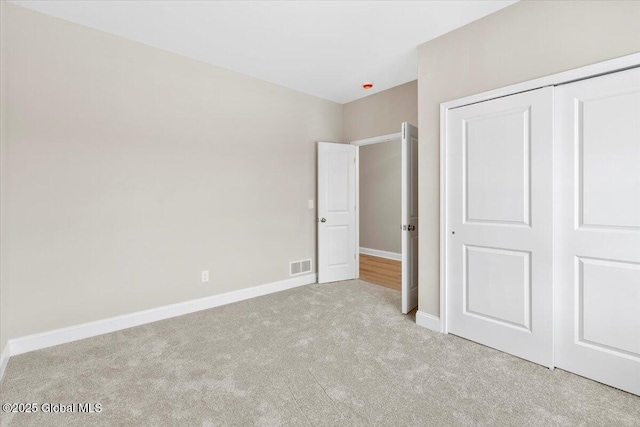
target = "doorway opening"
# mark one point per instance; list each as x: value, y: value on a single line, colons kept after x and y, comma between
x: 380, y: 213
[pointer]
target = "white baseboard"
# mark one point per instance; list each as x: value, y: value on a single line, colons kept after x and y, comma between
x: 428, y: 321
x: 4, y: 359
x: 105, y: 326
x: 381, y: 254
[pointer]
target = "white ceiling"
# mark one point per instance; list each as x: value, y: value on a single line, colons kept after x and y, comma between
x: 323, y: 48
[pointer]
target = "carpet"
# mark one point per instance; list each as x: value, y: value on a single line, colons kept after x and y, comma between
x: 337, y: 354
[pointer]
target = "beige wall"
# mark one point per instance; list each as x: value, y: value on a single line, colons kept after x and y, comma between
x: 518, y: 43
x: 381, y: 113
x: 380, y: 196
x: 3, y: 310
x: 380, y: 164
x: 129, y: 169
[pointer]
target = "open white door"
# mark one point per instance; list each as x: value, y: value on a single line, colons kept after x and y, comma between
x: 409, y: 217
x: 337, y: 246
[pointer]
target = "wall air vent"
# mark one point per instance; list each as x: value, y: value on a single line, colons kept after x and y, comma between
x: 299, y: 267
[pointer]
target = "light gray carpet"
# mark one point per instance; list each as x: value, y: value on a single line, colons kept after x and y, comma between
x: 337, y: 354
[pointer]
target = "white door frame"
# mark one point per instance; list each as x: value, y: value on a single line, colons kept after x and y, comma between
x: 359, y: 143
x: 378, y: 139
x: 588, y: 71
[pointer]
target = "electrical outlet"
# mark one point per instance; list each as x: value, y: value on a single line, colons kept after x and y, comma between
x: 310, y: 204
x: 204, y: 276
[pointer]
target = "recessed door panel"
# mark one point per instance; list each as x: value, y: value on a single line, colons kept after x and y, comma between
x: 338, y: 242
x: 609, y: 160
x: 498, y: 285
x: 609, y: 304
x: 496, y: 157
x: 338, y: 163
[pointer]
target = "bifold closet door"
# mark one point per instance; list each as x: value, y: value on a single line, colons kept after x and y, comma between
x: 500, y: 224
x: 598, y: 229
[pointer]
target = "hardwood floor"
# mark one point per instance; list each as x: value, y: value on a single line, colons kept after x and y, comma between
x: 381, y: 271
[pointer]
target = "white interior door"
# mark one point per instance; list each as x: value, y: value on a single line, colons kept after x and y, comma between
x: 336, y: 212
x: 598, y: 229
x: 409, y: 217
x: 500, y: 224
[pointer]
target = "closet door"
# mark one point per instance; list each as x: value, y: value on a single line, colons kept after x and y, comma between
x: 597, y: 229
x: 500, y: 224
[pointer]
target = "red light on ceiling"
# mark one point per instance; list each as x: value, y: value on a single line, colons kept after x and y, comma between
x: 367, y: 86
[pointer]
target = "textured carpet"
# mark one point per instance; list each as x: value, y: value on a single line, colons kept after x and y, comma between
x: 336, y: 354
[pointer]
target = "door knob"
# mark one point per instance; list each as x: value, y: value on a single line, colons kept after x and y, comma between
x: 323, y: 220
